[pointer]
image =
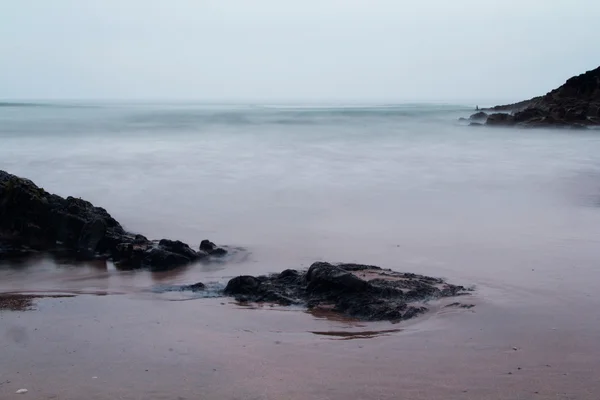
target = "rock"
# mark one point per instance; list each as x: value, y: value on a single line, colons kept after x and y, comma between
x: 218, y: 252
x: 325, y: 278
x: 22, y: 391
x: 244, y: 284
x: 211, y: 249
x: 196, y: 287
x: 91, y: 235
x: 177, y: 247
x: 475, y: 124
x: 289, y: 274
x: 528, y: 114
x: 500, y: 119
x: 575, y: 104
x: 576, y: 114
x: 479, y: 116
x: 361, y: 291
x: 128, y: 255
x: 32, y: 219
x: 207, y: 246
x: 158, y: 258
x: 515, y: 106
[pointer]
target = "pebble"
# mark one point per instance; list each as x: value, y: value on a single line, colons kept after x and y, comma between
x: 22, y: 391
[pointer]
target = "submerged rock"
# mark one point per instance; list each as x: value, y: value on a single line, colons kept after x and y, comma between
x: 209, y: 247
x: 357, y: 290
x: 32, y: 219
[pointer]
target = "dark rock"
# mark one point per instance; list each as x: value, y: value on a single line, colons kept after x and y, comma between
x: 207, y: 246
x: 32, y: 219
x: 91, y: 235
x: 475, y: 124
x: 575, y: 104
x: 177, y: 247
x: 196, y: 287
x: 244, y: 284
x: 325, y: 278
x: 528, y: 114
x: 362, y: 291
x: 289, y: 274
x: 210, y: 248
x: 500, y: 119
x: 576, y: 114
x: 515, y: 106
x: 479, y: 116
x: 158, y: 258
x: 218, y: 252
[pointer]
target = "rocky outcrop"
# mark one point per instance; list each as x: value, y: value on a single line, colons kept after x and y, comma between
x: 478, y: 116
x: 574, y: 104
x: 361, y: 291
x: 32, y: 219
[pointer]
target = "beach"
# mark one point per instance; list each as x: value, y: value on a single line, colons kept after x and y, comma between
x: 512, y: 214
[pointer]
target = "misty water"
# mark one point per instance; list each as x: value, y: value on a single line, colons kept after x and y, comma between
x: 513, y: 213
x: 402, y: 186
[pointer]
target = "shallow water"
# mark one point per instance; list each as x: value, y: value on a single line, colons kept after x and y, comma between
x: 513, y: 212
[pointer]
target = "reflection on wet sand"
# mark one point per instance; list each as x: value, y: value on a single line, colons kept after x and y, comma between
x: 24, y: 302
x: 350, y: 335
x: 153, y: 343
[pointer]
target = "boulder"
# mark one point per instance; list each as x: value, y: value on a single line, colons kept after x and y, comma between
x: 361, y: 291
x: 210, y: 248
x: 245, y: 284
x: 91, y: 236
x: 32, y: 219
x: 479, y: 116
x: 326, y: 278
x: 159, y: 258
x: 177, y: 247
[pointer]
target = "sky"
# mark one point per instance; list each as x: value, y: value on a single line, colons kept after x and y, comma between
x: 294, y: 50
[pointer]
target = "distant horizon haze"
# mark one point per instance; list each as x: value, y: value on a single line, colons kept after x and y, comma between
x: 268, y: 51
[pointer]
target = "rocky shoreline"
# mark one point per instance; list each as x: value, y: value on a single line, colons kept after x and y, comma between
x: 361, y: 291
x: 576, y: 104
x: 33, y: 220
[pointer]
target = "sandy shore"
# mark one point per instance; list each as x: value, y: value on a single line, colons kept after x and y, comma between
x: 144, y: 345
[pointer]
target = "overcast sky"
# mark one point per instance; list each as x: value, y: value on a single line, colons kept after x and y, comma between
x: 294, y: 50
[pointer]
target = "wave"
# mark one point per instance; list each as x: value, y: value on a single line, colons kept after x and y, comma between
x: 115, y: 117
x: 288, y: 115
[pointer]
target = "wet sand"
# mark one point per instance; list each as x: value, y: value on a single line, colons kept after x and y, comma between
x: 23, y: 302
x: 137, y: 344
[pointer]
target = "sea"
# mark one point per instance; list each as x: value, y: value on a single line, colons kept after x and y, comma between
x: 512, y: 213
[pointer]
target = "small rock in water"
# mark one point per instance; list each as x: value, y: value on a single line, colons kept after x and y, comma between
x: 21, y: 391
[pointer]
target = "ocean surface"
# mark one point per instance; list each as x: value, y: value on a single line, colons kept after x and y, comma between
x: 514, y: 213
